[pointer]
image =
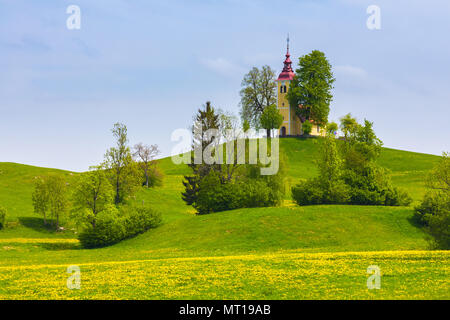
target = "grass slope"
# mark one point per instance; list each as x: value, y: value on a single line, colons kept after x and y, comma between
x: 284, y: 252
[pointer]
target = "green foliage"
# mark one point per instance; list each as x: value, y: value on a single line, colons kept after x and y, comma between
x: 215, y: 196
x: 271, y: 118
x: 311, y: 88
x: 439, y: 228
x: 50, y: 195
x: 109, y: 229
x: 206, y: 119
x: 139, y: 218
x: 331, y: 128
x: 245, y: 125
x: 40, y: 198
x: 434, y: 211
x: 348, y: 125
x: 155, y: 177
x: 351, y: 175
x: 258, y: 92
x: 2, y: 217
x: 93, y: 193
x: 122, y: 171
x: 115, y: 225
x: 307, y: 128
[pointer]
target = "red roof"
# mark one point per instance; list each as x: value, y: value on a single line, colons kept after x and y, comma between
x: 287, y: 73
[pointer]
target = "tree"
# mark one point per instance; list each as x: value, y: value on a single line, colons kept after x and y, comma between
x: 271, y: 119
x: 40, y: 198
x: 439, y: 178
x: 145, y: 157
x: 310, y: 90
x: 120, y: 166
x: 92, y: 195
x: 245, y: 125
x: 258, y: 92
x: 434, y: 211
x: 348, y: 125
x: 206, y: 119
x: 58, y: 203
x: 50, y: 195
x: 307, y: 127
x: 332, y: 128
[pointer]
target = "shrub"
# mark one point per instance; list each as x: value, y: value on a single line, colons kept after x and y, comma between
x: 434, y: 214
x: 155, y: 177
x: 215, y: 196
x: 2, y: 217
x: 139, y: 218
x: 439, y: 228
x: 308, y: 193
x: 433, y: 203
x: 113, y: 226
x: 315, y: 191
x: 307, y: 127
x: 109, y: 229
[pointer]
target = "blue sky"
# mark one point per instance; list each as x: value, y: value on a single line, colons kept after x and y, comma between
x: 151, y: 64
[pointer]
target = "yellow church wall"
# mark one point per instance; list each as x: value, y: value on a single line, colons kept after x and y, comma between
x: 291, y: 122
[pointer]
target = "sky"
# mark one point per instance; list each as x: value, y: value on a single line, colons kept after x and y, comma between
x: 152, y: 64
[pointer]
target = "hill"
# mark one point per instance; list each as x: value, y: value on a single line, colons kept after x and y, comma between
x: 236, y: 250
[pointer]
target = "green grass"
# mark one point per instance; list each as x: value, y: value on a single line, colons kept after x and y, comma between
x: 287, y: 252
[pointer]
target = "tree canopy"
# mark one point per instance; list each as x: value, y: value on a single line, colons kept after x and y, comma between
x: 271, y: 119
x: 258, y: 92
x: 310, y: 89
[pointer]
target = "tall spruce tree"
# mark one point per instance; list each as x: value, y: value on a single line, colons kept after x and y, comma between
x: 206, y: 119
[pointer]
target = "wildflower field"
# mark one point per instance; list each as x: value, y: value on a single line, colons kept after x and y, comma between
x: 288, y: 252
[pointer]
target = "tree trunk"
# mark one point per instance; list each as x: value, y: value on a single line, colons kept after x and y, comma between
x: 268, y: 133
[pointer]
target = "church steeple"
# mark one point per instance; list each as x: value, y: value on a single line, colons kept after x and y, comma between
x: 287, y: 73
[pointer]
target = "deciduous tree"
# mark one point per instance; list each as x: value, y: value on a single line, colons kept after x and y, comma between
x: 271, y: 119
x: 310, y: 90
x: 145, y: 157
x: 258, y: 92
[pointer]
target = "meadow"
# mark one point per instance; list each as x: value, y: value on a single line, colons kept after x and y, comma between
x: 286, y: 252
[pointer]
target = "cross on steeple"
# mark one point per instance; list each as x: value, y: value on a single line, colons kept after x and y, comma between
x: 288, y: 43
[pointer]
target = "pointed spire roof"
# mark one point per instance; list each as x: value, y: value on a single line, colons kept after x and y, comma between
x: 287, y: 73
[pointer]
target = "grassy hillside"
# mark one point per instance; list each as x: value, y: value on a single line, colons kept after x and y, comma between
x: 284, y: 252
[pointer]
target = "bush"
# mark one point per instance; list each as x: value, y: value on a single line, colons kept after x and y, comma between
x: 155, y: 177
x: 439, y: 228
x: 139, y: 218
x: 307, y: 193
x: 215, y: 196
x: 2, y: 217
x: 108, y: 230
x: 314, y: 191
x: 434, y: 203
x: 434, y: 214
x: 113, y: 226
x: 307, y: 127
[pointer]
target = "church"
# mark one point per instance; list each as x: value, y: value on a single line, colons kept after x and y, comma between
x: 292, y: 126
